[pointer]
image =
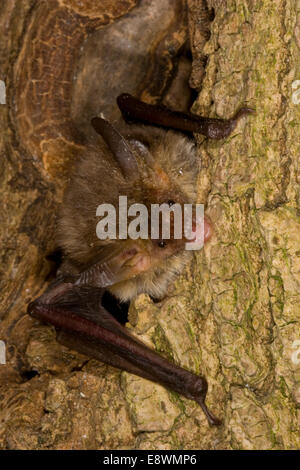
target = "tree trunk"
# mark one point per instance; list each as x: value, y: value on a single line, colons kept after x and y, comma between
x: 234, y: 313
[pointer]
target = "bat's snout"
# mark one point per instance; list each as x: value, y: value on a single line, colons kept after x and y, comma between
x: 208, y: 230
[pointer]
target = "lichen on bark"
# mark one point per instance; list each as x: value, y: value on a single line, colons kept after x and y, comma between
x: 253, y: 200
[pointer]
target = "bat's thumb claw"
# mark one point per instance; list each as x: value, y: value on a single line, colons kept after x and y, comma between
x: 211, y: 418
x: 243, y: 112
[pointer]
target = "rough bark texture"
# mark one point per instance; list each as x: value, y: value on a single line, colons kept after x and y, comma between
x: 234, y: 314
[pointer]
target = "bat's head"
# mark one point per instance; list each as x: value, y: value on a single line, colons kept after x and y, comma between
x: 160, y: 169
x: 157, y: 171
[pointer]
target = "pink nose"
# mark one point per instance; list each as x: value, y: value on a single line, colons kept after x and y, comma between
x: 207, y: 229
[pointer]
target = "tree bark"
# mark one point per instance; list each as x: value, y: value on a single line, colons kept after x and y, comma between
x: 233, y: 315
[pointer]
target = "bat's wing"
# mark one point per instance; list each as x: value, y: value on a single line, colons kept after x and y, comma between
x: 134, y: 109
x: 84, y: 325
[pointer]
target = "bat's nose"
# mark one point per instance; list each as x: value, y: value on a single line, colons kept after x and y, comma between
x: 198, y: 226
x: 207, y: 229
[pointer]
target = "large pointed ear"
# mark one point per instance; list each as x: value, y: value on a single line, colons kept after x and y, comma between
x: 118, y: 146
x: 134, y: 109
x: 116, y: 263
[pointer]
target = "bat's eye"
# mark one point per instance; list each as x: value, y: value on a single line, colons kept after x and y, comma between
x: 162, y: 244
x: 171, y: 202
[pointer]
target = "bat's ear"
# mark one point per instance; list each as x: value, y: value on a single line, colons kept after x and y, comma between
x: 134, y: 109
x: 140, y: 148
x: 118, y: 146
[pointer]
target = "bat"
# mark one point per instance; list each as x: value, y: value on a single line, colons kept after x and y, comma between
x: 147, y: 159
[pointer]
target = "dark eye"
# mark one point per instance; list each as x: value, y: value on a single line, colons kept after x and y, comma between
x: 171, y: 202
x: 162, y: 244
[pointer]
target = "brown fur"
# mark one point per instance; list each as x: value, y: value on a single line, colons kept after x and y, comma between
x: 97, y: 179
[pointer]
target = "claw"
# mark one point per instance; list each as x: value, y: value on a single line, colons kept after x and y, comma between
x: 211, y: 418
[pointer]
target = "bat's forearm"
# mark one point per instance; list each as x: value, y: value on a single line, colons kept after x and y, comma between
x: 120, y: 349
x: 134, y: 109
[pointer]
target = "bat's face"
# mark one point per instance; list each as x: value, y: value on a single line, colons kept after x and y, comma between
x: 171, y: 236
x: 156, y: 168
x: 148, y: 265
x: 155, y: 252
